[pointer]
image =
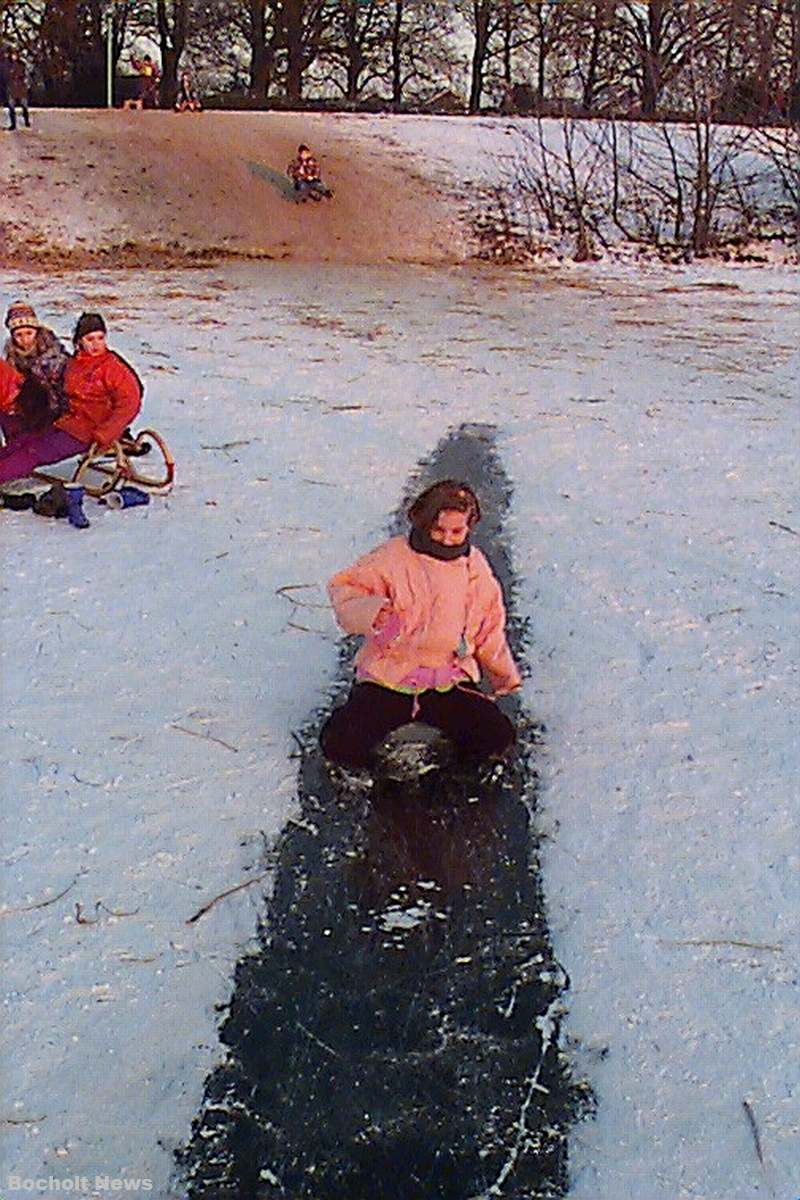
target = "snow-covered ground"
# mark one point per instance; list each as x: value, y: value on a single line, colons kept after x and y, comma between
x: 475, y: 158
x: 153, y: 671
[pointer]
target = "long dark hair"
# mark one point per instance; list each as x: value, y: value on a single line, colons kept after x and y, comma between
x: 449, y: 494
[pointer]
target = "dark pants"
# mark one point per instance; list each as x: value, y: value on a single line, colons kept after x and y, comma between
x: 12, y: 116
x: 472, y: 722
x: 314, y: 188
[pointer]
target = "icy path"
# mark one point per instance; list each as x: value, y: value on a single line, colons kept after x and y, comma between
x: 650, y: 430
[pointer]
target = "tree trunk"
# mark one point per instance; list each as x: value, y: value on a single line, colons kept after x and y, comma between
x: 541, y: 63
x: 766, y: 29
x: 169, y: 76
x: 72, y: 51
x: 592, y: 69
x: 355, y: 59
x: 735, y: 24
x: 794, y: 82
x: 261, y: 55
x: 651, y: 58
x: 481, y: 14
x: 172, y: 39
x: 508, y: 31
x: 397, y: 55
x: 292, y: 18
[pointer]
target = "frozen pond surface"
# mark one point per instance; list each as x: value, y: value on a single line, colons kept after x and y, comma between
x: 152, y: 674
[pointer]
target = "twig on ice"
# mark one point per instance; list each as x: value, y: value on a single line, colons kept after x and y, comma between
x: 205, y: 737
x: 723, y: 612
x: 307, y: 629
x: 80, y: 919
x: 4, y: 912
x: 228, y: 445
x: 754, y: 1129
x: 117, y: 912
x: 230, y: 891
x: 785, y: 528
x: 295, y: 587
x: 720, y: 942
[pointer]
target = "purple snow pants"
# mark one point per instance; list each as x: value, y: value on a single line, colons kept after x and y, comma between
x: 26, y: 451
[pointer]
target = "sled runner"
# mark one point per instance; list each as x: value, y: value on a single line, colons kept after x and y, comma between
x: 127, y: 460
x: 412, y: 757
x: 416, y: 764
x: 314, y: 190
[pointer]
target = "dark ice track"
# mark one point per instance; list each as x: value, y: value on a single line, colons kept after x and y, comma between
x: 395, y: 1037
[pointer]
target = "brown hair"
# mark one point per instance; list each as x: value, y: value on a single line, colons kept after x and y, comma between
x: 446, y: 494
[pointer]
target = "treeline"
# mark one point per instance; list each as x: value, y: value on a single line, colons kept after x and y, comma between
x: 635, y: 58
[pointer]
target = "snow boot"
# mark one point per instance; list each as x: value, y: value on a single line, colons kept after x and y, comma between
x: 17, y: 501
x: 75, y: 514
x: 126, y: 497
x: 132, y: 497
x: 52, y: 503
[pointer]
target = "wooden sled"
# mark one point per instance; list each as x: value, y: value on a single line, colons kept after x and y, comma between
x: 127, y: 460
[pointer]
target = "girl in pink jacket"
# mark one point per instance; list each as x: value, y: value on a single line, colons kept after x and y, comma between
x: 431, y: 612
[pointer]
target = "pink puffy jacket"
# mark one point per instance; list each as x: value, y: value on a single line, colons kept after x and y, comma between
x: 450, y: 612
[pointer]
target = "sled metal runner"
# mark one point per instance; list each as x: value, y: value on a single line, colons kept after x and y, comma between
x: 100, y: 471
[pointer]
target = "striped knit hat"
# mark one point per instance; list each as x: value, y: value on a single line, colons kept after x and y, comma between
x: 21, y: 316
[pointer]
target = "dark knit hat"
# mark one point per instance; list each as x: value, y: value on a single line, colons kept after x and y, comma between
x: 21, y: 316
x: 88, y: 323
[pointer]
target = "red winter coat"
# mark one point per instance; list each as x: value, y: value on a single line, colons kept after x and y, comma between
x: 10, y: 383
x: 104, y: 396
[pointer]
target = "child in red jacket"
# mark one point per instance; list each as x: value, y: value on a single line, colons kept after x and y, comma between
x: 103, y: 394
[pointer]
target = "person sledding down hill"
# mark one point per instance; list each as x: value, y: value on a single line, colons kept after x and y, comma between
x: 432, y: 615
x: 305, y: 173
x: 102, y: 395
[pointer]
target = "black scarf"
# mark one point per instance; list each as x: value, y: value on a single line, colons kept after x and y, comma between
x: 423, y: 543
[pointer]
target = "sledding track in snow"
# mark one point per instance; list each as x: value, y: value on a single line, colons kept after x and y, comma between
x: 396, y: 1035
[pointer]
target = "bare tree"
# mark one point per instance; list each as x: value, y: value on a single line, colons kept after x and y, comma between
x: 657, y: 41
x: 781, y: 147
x: 793, y: 104
x: 301, y: 27
x: 589, y: 41
x: 71, y: 46
x: 172, y: 23
x: 419, y: 54
x: 484, y: 19
x: 769, y: 16
x: 356, y: 43
x: 548, y: 22
x: 20, y: 28
x: 261, y: 31
x: 557, y: 176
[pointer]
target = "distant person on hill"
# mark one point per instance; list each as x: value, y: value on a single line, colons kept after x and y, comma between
x: 187, y: 99
x: 148, y: 81
x: 103, y: 395
x: 39, y: 359
x: 305, y: 173
x: 14, y: 87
